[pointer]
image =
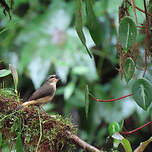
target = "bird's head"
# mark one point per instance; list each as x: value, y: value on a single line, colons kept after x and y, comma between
x: 53, y: 79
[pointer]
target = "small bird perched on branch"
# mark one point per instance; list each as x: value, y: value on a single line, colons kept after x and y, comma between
x: 44, y: 94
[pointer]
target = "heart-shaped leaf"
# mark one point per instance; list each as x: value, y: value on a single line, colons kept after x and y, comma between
x: 142, y: 92
x: 86, y: 100
x: 127, y: 32
x: 129, y: 68
x: 4, y: 73
x: 79, y: 25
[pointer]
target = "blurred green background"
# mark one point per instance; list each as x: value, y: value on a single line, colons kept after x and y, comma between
x: 41, y: 39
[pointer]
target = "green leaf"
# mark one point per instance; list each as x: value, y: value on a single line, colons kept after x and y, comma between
x: 127, y: 32
x: 86, y: 100
x: 15, y: 76
x: 19, y: 146
x: 4, y: 73
x: 142, y: 92
x: 129, y: 68
x: 126, y: 145
x: 0, y: 139
x: 113, y: 128
x: 121, y: 124
x: 69, y: 90
x: 80, y: 70
x: 79, y: 25
x: 93, y: 23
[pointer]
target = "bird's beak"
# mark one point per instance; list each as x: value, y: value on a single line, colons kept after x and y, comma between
x: 57, y: 78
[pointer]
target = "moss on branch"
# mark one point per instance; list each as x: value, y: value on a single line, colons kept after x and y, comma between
x: 27, y: 121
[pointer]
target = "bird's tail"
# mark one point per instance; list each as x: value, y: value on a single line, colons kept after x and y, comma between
x: 25, y: 104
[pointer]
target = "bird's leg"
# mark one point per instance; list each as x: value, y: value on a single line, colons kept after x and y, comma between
x: 42, y: 109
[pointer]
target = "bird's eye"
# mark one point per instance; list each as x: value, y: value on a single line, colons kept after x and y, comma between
x: 52, y: 76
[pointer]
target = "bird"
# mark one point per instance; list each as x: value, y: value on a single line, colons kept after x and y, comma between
x: 42, y: 95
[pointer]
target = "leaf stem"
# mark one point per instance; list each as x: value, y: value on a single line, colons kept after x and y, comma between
x: 135, y: 130
x: 140, y: 9
x: 8, y: 115
x: 146, y: 40
x: 40, y: 123
x: 110, y: 100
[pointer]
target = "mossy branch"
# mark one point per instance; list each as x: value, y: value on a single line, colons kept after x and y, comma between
x: 40, y: 131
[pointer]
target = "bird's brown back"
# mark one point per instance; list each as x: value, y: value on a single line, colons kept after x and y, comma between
x: 45, y: 90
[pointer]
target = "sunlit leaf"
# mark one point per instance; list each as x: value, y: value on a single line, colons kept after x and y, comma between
x: 80, y: 70
x: 129, y: 68
x: 0, y: 139
x: 6, y: 149
x: 19, y: 146
x: 15, y: 76
x: 143, y: 145
x: 142, y: 92
x: 86, y: 100
x: 93, y: 23
x: 126, y: 145
x: 120, y: 139
x: 4, y: 73
x: 69, y: 90
x: 113, y: 128
x: 127, y: 32
x: 117, y: 136
x: 79, y: 25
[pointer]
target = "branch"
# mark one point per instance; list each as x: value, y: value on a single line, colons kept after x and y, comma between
x: 82, y: 143
x: 146, y: 40
x: 141, y: 9
x: 135, y: 130
x: 110, y: 100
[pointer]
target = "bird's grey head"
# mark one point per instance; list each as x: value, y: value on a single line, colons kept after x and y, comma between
x: 53, y: 79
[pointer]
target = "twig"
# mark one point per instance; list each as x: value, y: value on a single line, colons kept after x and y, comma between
x: 110, y: 100
x: 82, y: 143
x: 135, y: 130
x: 146, y: 40
x: 40, y: 131
x: 8, y: 115
x: 140, y: 9
x: 134, y: 10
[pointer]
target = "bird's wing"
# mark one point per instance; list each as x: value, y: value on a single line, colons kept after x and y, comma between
x: 45, y: 90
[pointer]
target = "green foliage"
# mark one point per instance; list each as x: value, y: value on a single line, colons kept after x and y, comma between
x: 141, y: 90
x: 41, y: 39
x: 93, y: 23
x: 119, y: 139
x: 79, y: 24
x: 126, y: 145
x: 113, y: 128
x: 4, y: 73
x: 86, y: 100
x: 129, y: 68
x: 127, y: 32
x: 15, y: 76
x: 19, y: 146
x: 1, y: 139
